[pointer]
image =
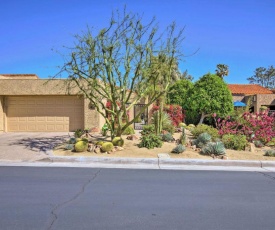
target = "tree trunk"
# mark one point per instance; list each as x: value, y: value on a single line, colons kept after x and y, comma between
x: 202, y: 118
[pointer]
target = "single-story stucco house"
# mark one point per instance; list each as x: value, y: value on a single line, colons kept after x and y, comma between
x: 256, y: 94
x: 30, y: 104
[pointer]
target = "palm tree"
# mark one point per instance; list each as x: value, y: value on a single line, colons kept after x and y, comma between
x: 222, y: 70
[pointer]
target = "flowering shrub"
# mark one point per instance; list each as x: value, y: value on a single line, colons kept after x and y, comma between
x: 237, y: 142
x: 174, y: 112
x: 258, y: 126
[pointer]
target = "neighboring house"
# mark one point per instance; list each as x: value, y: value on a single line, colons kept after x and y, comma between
x: 30, y: 104
x: 255, y: 94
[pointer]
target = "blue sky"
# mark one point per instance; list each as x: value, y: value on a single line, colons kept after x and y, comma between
x: 239, y: 33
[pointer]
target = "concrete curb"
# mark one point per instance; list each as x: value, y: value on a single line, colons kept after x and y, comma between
x: 160, y: 161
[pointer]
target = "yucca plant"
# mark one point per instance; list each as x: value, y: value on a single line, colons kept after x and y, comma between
x: 216, y: 148
x: 178, y: 149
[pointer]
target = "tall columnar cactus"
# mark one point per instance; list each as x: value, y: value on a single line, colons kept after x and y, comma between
x: 183, y: 137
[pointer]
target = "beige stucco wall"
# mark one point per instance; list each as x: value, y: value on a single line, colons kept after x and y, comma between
x: 264, y: 99
x: 36, y: 87
x: 92, y: 118
x: 237, y: 97
x: 1, y: 113
x: 46, y: 87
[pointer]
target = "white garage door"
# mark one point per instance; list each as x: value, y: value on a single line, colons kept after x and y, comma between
x: 44, y: 113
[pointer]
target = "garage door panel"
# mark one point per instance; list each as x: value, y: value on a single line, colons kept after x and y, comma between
x: 44, y: 113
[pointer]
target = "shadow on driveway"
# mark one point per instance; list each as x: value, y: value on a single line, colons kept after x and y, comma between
x: 40, y: 144
x: 33, y: 141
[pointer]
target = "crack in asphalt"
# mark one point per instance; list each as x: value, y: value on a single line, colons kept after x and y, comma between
x: 54, y: 213
x: 267, y: 175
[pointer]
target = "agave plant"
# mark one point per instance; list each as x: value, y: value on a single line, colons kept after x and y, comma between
x: 270, y: 153
x: 216, y: 148
x: 178, y: 149
x: 202, y: 140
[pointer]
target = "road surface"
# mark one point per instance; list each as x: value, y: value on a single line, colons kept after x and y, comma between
x: 85, y: 198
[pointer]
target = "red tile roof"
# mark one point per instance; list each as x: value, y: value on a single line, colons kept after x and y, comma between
x: 248, y: 89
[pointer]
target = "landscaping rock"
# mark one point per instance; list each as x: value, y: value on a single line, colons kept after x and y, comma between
x: 252, y: 148
x: 118, y: 148
x: 132, y: 137
x: 94, y: 130
x: 97, y: 150
x: 90, y: 148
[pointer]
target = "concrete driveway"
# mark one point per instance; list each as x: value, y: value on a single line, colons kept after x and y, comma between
x: 28, y: 146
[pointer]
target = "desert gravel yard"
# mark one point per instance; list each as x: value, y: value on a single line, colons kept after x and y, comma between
x: 132, y: 150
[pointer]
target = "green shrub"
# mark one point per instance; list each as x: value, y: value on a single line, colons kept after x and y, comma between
x: 128, y: 131
x: 77, y: 139
x: 78, y: 133
x: 202, y: 128
x: 150, y: 141
x: 216, y: 148
x: 270, y: 153
x: 272, y: 142
x: 81, y: 146
x: 236, y: 142
x: 148, y: 129
x: 118, y: 141
x: 169, y: 128
x: 167, y: 137
x: 84, y: 139
x: 107, y: 146
x: 104, y: 129
x: 178, y: 149
x: 258, y: 144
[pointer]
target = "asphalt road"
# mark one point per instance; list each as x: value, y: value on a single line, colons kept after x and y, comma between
x: 79, y: 198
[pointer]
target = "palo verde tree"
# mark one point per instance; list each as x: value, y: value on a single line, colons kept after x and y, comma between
x: 210, y: 95
x: 113, y: 65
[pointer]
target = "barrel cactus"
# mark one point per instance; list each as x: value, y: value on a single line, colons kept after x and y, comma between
x: 216, y: 148
x: 178, y: 149
x: 118, y: 141
x: 107, y: 147
x: 182, y: 125
x: 81, y: 146
x: 100, y: 143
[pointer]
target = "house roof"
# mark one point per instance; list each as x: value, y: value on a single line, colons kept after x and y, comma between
x: 248, y: 89
x: 18, y: 76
